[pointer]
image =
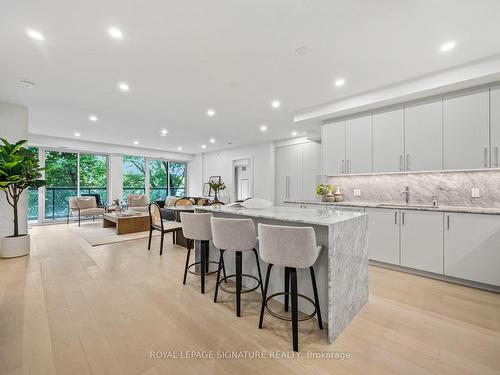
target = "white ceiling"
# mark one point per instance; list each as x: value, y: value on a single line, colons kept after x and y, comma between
x: 182, y: 57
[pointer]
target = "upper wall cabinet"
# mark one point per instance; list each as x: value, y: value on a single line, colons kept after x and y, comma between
x: 388, y: 141
x: 333, y: 141
x: 358, y: 145
x: 424, y: 136
x: 466, y: 131
x: 495, y: 127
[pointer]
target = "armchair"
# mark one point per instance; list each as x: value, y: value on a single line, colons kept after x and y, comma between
x: 83, y: 206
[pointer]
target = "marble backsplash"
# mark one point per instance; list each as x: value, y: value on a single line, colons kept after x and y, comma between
x: 452, y: 188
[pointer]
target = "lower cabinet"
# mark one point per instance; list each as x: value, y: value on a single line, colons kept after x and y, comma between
x: 383, y: 235
x: 422, y: 240
x: 472, y: 247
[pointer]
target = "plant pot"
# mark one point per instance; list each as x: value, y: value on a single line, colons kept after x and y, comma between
x: 328, y: 198
x: 15, y: 246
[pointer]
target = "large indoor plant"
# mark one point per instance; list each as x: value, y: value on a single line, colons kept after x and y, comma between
x: 19, y: 170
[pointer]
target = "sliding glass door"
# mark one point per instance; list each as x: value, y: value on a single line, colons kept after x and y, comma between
x: 177, y: 177
x: 94, y: 175
x: 158, y: 180
x: 61, y: 175
x: 134, y: 175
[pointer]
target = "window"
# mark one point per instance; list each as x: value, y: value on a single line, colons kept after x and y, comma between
x: 177, y: 172
x: 158, y: 180
x: 94, y: 175
x: 33, y: 196
x: 61, y: 175
x: 134, y: 175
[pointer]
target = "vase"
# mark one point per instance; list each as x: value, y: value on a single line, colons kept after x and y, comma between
x: 328, y: 198
x: 216, y: 198
x: 15, y: 246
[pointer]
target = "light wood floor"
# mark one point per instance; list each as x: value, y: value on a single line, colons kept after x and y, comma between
x: 74, y: 309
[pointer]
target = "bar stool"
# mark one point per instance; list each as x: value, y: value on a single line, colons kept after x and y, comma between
x: 196, y: 227
x: 292, y: 248
x: 236, y: 235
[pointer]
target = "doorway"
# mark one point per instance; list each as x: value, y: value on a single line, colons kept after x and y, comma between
x: 242, y: 173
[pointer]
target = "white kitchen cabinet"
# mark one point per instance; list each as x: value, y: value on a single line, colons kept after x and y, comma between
x: 424, y: 136
x: 311, y: 169
x: 359, y: 145
x: 383, y: 234
x: 495, y: 127
x: 466, y: 131
x: 422, y: 240
x: 333, y: 145
x: 388, y: 141
x: 288, y: 173
x: 472, y: 247
x: 280, y: 179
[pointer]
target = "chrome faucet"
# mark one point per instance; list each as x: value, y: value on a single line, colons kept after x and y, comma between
x: 406, y: 192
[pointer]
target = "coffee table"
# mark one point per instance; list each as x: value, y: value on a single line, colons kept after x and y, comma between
x: 139, y: 222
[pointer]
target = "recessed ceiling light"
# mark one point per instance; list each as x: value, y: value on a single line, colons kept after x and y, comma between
x: 124, y: 86
x: 35, y: 34
x: 212, y: 140
x: 179, y: 148
x: 448, y: 46
x: 275, y: 104
x: 263, y: 128
x: 76, y: 134
x: 203, y: 146
x: 294, y: 133
x: 340, y: 82
x: 93, y: 118
x: 115, y: 32
x: 210, y: 112
x: 27, y: 84
x: 302, y: 51
x: 164, y: 132
x: 136, y: 142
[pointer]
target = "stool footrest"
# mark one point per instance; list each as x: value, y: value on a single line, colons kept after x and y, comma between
x: 286, y: 317
x: 199, y: 263
x: 224, y: 279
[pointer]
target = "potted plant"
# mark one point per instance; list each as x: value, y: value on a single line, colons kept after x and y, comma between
x: 217, y: 186
x: 19, y: 170
x: 326, y: 191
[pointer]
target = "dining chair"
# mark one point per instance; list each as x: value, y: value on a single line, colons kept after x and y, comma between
x: 164, y: 226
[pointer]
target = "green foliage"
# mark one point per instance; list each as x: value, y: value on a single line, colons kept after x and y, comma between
x: 19, y: 170
x: 134, y: 172
x: 61, y: 169
x: 217, y: 185
x: 325, y: 189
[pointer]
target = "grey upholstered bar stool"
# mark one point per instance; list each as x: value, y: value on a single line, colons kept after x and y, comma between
x: 236, y: 235
x: 292, y: 248
x: 196, y: 227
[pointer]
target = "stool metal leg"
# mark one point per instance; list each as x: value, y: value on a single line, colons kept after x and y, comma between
x: 287, y: 286
x: 295, y: 310
x: 150, y: 235
x: 224, y: 270
x: 258, y: 269
x: 316, y: 299
x: 187, y: 262
x: 264, y: 295
x: 207, y: 259
x: 238, y: 282
x: 202, y: 265
x: 221, y: 264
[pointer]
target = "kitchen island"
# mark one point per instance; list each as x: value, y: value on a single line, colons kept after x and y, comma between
x: 341, y: 268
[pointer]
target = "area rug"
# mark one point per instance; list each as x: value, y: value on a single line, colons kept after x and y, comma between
x: 96, y: 235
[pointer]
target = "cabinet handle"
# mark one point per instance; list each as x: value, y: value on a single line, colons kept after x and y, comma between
x: 401, y: 162
x: 486, y: 157
x: 343, y: 166
x: 288, y: 187
x: 348, y: 167
x: 407, y: 162
x: 395, y: 217
x: 448, y: 222
x: 403, y: 218
x: 496, y: 156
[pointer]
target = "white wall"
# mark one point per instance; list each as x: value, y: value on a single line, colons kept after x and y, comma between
x: 195, y: 176
x: 220, y: 163
x: 13, y: 127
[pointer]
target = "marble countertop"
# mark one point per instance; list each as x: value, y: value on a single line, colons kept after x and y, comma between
x: 417, y: 207
x: 299, y: 215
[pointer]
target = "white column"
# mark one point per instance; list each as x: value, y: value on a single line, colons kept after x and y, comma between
x: 13, y: 127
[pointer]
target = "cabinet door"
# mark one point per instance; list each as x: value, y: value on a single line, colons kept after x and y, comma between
x: 466, y: 131
x: 280, y: 170
x: 472, y: 247
x: 495, y: 127
x: 424, y: 137
x: 359, y: 145
x: 388, y: 141
x: 422, y: 240
x: 333, y: 145
x: 383, y: 235
x: 311, y: 169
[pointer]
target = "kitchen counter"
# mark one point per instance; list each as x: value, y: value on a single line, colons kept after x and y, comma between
x: 402, y: 206
x: 341, y: 268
